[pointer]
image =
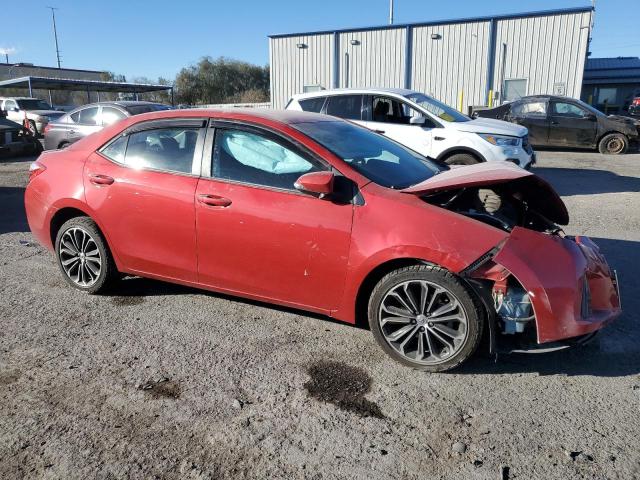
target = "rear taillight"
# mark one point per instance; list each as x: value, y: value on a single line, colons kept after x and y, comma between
x: 35, y: 169
x: 636, y: 101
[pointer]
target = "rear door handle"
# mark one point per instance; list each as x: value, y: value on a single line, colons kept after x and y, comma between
x: 101, y: 179
x: 213, y: 200
x: 381, y: 132
x: 553, y: 122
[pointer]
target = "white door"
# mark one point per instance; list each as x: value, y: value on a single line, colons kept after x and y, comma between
x: 392, y: 118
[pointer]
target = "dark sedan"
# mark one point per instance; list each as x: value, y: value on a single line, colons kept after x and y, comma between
x: 566, y: 122
x: 85, y: 120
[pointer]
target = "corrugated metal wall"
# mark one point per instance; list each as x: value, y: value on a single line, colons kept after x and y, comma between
x: 292, y: 68
x: 376, y: 59
x: 547, y: 51
x: 454, y: 63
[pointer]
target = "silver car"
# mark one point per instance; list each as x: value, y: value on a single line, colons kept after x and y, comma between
x: 85, y: 120
x: 37, y: 112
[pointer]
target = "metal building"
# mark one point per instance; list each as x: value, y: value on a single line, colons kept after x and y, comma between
x: 471, y: 61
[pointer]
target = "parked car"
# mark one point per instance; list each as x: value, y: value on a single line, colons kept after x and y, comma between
x: 423, y: 124
x: 16, y: 140
x: 634, y: 107
x: 320, y: 214
x: 566, y: 122
x: 90, y: 118
x: 37, y: 112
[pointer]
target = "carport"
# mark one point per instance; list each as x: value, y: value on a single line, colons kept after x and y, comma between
x: 47, y: 83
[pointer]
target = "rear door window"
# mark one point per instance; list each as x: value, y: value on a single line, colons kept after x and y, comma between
x: 170, y: 149
x: 312, y: 104
x: 86, y: 116
x: 530, y: 109
x: 345, y: 106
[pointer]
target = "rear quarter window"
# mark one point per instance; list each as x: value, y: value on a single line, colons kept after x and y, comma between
x: 312, y: 104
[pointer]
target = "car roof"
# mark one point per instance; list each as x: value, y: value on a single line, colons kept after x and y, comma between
x: 343, y: 91
x: 287, y: 117
x: 549, y: 97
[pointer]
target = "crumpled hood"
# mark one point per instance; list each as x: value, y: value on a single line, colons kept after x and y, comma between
x: 491, y: 125
x: 530, y: 188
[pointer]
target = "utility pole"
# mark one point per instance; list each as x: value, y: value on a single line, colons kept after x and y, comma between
x: 55, y: 32
x: 390, y: 12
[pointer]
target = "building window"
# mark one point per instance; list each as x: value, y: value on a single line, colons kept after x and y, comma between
x: 514, y: 89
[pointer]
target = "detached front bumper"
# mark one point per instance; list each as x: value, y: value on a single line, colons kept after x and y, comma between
x: 572, y: 290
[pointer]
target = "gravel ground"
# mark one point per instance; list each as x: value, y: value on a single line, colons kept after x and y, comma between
x: 163, y: 381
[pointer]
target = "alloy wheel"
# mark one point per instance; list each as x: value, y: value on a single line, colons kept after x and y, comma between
x: 422, y: 321
x: 80, y: 257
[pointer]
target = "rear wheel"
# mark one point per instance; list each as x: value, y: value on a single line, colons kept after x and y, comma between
x: 613, y: 144
x: 424, y: 317
x: 461, y: 159
x: 83, y: 256
x: 63, y: 145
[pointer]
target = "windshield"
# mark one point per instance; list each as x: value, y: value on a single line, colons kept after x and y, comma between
x: 154, y: 107
x: 437, y: 108
x: 590, y: 108
x: 381, y: 160
x: 34, y: 104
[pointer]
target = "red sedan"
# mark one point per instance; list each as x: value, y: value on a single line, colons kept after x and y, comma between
x: 316, y: 213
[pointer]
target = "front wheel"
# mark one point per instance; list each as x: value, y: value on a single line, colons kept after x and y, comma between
x: 83, y: 256
x: 461, y: 159
x: 424, y: 317
x: 613, y: 144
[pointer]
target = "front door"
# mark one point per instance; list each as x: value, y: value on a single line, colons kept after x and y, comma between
x: 141, y: 187
x: 258, y: 235
x: 391, y: 117
x: 571, y: 126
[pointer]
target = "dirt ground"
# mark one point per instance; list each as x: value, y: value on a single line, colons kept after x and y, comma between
x: 161, y: 381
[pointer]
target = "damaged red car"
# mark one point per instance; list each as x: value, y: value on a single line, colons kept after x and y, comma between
x: 316, y: 213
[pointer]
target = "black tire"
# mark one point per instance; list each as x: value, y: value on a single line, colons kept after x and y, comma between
x: 441, y: 278
x: 108, y: 272
x: 33, y: 129
x: 63, y: 145
x: 461, y: 159
x: 613, y: 144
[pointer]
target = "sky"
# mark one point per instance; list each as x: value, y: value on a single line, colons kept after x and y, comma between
x: 152, y: 39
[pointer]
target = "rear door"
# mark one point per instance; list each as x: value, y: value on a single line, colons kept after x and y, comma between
x: 571, y: 126
x: 535, y: 116
x: 391, y: 117
x: 85, y: 122
x: 257, y: 234
x: 141, y: 187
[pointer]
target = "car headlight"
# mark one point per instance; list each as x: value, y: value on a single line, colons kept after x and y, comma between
x: 500, y: 140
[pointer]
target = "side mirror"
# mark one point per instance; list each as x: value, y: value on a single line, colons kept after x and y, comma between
x: 320, y: 183
x: 420, y: 120
x: 592, y: 117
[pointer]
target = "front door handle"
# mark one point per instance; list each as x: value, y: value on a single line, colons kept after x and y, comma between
x: 438, y: 138
x: 381, y: 132
x: 101, y: 179
x: 553, y: 122
x: 214, y: 200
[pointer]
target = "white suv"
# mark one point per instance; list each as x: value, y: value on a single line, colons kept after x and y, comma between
x: 423, y: 124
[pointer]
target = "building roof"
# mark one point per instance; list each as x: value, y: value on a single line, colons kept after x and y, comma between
x: 29, y: 65
x: 541, y: 13
x: 612, y: 70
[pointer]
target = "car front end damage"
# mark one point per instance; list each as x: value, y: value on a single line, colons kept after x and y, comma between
x: 548, y: 286
x: 537, y: 283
